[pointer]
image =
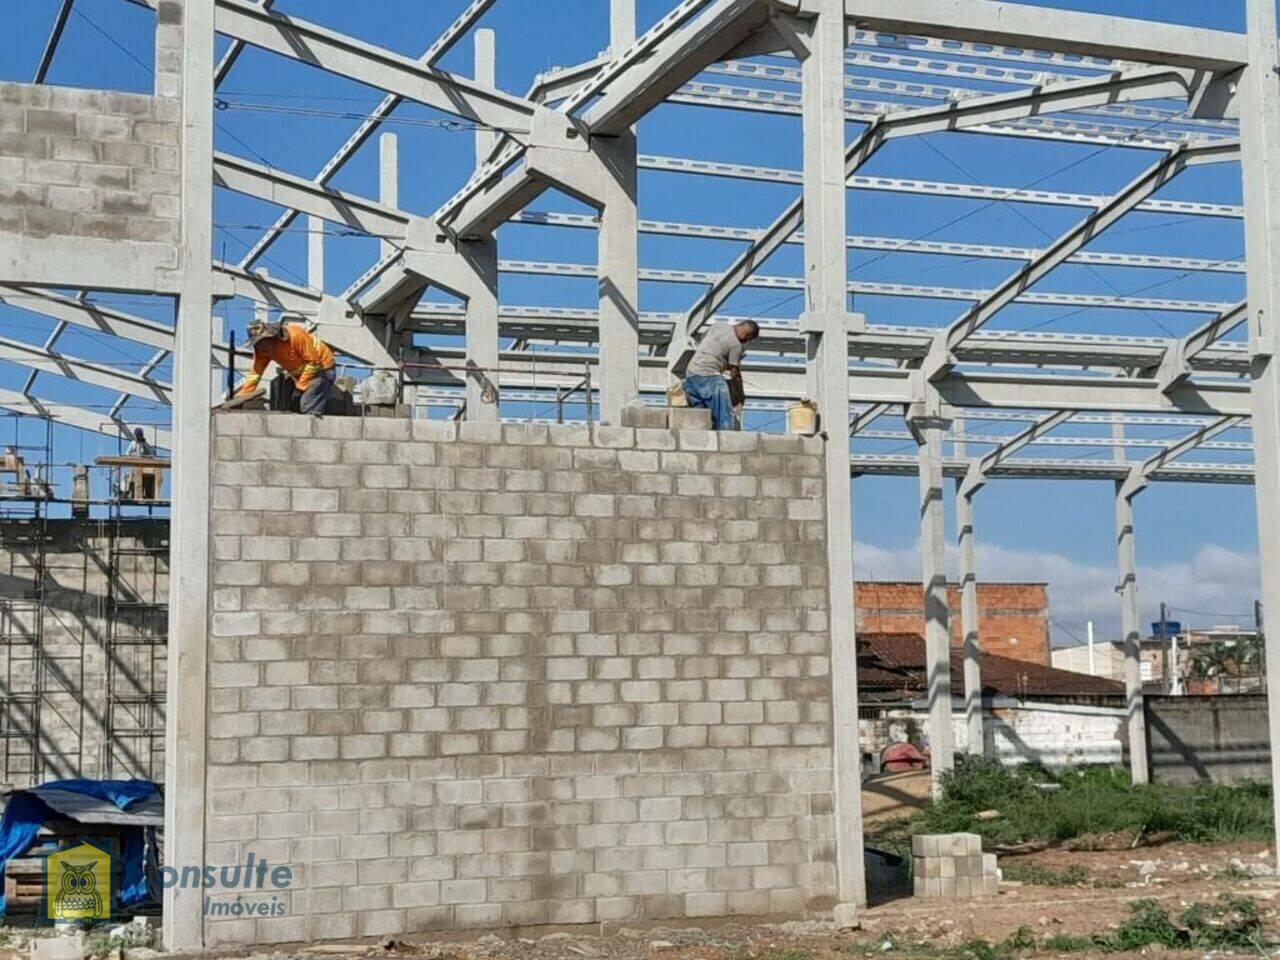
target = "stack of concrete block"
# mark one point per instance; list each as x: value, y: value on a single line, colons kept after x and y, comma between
x: 666, y: 418
x: 953, y: 866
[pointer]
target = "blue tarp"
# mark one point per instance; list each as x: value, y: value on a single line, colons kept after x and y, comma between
x: 25, y: 813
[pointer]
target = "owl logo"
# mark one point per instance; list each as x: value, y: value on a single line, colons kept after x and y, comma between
x: 78, y: 884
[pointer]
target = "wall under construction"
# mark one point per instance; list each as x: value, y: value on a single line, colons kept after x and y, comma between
x: 83, y: 619
x: 496, y: 675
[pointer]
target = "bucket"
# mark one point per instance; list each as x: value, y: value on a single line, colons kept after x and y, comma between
x: 802, y: 418
x: 676, y: 397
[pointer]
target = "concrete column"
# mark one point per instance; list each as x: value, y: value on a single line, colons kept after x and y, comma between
x: 388, y: 181
x: 929, y: 429
x: 827, y: 320
x: 315, y: 252
x: 619, y: 269
x: 482, y: 331
x: 1260, y: 161
x: 187, y: 697
x: 969, y: 621
x: 486, y: 58
x: 622, y: 26
x: 1128, y: 590
x: 482, y: 304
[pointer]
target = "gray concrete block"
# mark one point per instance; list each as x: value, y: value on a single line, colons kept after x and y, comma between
x: 645, y: 416
x: 689, y: 418
x: 58, y: 948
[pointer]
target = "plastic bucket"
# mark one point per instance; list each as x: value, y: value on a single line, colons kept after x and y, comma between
x: 802, y: 418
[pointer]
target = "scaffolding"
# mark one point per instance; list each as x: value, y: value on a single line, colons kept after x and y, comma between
x: 137, y: 619
x: 24, y: 538
x: 83, y: 627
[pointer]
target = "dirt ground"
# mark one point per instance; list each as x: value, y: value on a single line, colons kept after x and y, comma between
x: 1175, y: 874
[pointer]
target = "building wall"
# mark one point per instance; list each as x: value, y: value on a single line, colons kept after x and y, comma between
x: 89, y: 179
x: 498, y: 675
x: 88, y: 163
x: 82, y: 658
x: 1013, y: 618
x: 1108, y: 660
x: 1045, y: 733
x: 1223, y: 739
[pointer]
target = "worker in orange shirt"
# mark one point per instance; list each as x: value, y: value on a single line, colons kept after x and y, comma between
x: 301, y: 354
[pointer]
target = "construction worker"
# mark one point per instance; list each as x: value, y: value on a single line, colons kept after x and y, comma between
x: 717, y: 362
x: 138, y: 447
x: 299, y: 352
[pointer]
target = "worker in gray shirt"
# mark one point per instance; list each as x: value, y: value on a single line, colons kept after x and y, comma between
x: 718, y: 360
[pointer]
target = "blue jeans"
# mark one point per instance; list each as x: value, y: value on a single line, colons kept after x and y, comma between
x: 711, y: 393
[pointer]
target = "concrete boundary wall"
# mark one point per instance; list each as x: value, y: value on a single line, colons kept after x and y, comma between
x: 1218, y: 739
x: 487, y: 675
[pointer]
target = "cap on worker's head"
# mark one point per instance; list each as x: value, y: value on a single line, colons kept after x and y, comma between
x: 261, y: 330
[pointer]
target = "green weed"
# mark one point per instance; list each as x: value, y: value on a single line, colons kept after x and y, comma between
x: 1087, y: 801
x: 1229, y: 922
x: 1035, y: 875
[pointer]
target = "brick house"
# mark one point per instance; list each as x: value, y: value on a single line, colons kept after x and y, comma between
x: 1013, y: 618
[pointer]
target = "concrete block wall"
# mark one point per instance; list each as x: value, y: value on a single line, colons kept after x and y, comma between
x: 488, y: 675
x: 1218, y: 739
x: 88, y: 163
x: 93, y: 712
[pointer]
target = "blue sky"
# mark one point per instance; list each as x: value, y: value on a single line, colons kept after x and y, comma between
x: 1195, y: 542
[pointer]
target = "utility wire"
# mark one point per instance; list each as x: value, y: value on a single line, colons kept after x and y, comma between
x: 1120, y: 296
x: 222, y: 103
x: 112, y: 40
x: 1006, y: 198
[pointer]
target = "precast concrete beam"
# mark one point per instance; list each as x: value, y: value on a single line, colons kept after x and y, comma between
x: 1069, y: 95
x: 1067, y: 31
x: 375, y: 66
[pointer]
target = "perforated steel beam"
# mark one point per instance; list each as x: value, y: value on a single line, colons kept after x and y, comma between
x: 1131, y: 196
x: 1065, y: 96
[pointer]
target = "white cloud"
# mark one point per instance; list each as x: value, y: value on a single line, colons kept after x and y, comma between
x: 1216, y: 580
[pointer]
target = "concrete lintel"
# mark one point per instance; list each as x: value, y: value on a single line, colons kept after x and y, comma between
x: 88, y: 263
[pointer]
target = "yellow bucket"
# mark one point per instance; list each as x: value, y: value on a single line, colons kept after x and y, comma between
x: 802, y: 418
